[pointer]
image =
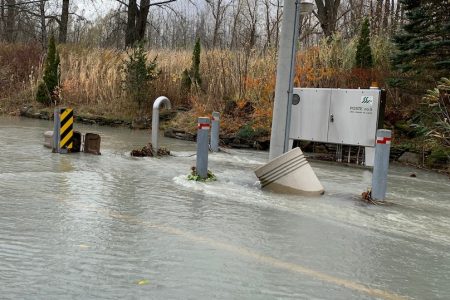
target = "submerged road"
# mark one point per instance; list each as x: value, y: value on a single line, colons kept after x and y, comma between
x: 112, y: 226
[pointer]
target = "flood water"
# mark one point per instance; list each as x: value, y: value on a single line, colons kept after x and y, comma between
x: 81, y: 226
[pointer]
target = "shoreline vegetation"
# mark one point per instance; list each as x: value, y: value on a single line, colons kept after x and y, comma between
x: 314, y: 151
x: 238, y: 84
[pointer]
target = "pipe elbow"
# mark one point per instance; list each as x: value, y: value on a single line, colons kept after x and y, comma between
x: 162, y: 100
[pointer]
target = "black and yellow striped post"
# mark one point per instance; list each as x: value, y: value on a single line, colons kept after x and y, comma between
x: 66, y: 130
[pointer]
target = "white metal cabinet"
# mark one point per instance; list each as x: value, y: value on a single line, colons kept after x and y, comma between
x: 309, y: 119
x: 338, y: 116
x: 353, y: 117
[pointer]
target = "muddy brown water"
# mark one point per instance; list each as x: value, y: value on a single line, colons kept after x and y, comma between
x: 82, y: 226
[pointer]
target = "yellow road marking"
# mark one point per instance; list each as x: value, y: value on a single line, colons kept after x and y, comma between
x: 264, y: 259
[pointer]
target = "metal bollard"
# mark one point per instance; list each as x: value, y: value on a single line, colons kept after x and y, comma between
x: 215, y: 125
x: 202, y: 146
x: 381, y: 164
x: 56, y: 121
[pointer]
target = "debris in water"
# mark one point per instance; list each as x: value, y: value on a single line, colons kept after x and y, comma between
x: 412, y: 175
x: 195, y: 177
x: 147, y: 150
x: 367, y: 197
x: 143, y: 282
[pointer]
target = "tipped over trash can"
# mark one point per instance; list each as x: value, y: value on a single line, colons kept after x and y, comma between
x: 290, y: 173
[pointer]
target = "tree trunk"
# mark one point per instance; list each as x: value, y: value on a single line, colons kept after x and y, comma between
x: 217, y: 14
x: 278, y: 22
x: 387, y: 13
x: 268, y: 30
x: 396, y: 17
x: 378, y: 15
x: 130, y: 34
x: 10, y: 20
x: 2, y: 19
x: 64, y: 21
x: 392, y: 18
x: 234, y: 31
x: 356, y: 13
x: 327, y: 14
x: 252, y: 18
x: 141, y: 23
x: 43, y: 26
x: 372, y: 18
x: 136, y: 22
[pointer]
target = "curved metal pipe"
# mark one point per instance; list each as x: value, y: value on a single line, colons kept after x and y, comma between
x: 155, y: 119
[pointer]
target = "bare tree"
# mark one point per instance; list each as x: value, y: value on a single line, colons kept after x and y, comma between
x: 42, y: 21
x: 327, y: 14
x: 267, y: 10
x: 377, y: 18
x: 236, y: 24
x: 218, y: 9
x: 2, y: 19
x: 10, y: 20
x: 251, y: 21
x: 64, y: 21
x: 386, y: 14
x: 137, y: 19
x: 272, y: 22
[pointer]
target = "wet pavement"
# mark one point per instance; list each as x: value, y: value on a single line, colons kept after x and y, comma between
x: 82, y: 226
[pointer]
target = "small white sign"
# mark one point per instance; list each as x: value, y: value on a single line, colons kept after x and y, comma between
x: 367, y: 100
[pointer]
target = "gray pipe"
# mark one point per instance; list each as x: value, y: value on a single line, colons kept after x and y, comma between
x: 279, y: 140
x: 155, y: 120
x: 55, y: 148
x: 203, y: 127
x: 381, y: 164
x: 215, y: 125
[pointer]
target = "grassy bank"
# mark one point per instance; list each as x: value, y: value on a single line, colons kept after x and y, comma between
x: 239, y: 84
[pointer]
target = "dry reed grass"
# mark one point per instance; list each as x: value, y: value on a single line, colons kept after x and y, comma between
x: 19, y: 65
x: 91, y: 79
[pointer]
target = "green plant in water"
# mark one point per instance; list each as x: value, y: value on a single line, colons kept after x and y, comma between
x: 195, y: 177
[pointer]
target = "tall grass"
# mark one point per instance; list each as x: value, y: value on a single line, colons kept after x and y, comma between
x: 91, y: 79
x: 19, y: 66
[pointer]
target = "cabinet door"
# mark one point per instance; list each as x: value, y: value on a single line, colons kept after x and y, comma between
x: 309, y: 119
x: 353, y: 117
